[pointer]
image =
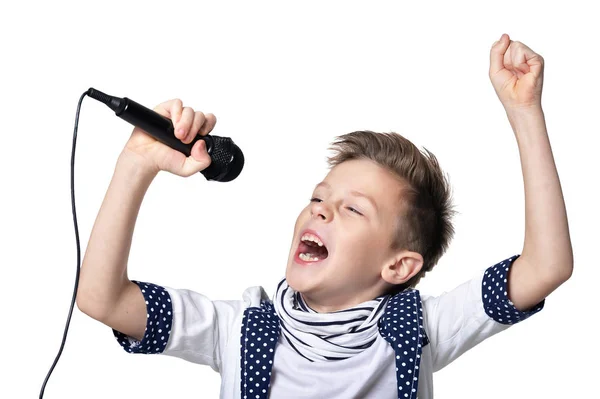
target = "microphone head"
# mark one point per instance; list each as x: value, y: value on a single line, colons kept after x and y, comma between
x: 236, y: 165
x: 227, y: 159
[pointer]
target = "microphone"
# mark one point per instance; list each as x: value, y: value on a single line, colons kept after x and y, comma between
x: 227, y: 160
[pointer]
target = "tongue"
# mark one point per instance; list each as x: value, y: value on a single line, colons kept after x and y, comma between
x: 315, y: 252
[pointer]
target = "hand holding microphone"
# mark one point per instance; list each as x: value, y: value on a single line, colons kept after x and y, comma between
x: 187, y: 124
x: 184, y: 131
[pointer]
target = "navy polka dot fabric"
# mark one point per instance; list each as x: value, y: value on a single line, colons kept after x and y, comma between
x: 402, y: 327
x: 159, y: 319
x: 260, y: 332
x: 495, y: 296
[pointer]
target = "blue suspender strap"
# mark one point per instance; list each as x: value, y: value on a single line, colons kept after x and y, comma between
x: 260, y: 332
x: 402, y: 327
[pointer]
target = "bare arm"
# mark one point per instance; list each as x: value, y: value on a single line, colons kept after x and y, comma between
x: 546, y: 260
x: 105, y: 292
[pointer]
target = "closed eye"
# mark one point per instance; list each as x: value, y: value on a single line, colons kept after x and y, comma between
x: 315, y: 199
x: 354, y: 210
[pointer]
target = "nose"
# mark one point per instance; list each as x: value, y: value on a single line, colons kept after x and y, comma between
x: 321, y: 211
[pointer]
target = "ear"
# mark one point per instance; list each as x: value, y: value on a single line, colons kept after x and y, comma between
x: 402, y: 267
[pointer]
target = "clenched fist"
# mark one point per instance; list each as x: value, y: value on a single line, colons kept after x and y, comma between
x: 517, y: 74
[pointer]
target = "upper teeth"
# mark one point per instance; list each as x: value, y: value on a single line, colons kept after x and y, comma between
x: 312, y: 237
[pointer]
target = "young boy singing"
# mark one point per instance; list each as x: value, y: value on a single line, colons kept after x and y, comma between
x: 346, y: 321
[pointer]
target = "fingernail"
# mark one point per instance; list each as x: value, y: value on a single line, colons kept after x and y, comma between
x: 180, y: 130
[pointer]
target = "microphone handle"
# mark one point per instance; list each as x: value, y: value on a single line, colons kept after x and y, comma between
x: 158, y: 126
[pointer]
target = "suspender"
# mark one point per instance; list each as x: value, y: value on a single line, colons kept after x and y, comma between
x: 401, y: 326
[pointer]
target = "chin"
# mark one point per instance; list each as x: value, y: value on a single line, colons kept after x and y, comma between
x: 298, y: 283
x: 305, y: 278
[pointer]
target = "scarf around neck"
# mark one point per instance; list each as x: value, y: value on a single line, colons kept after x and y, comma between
x: 327, y: 336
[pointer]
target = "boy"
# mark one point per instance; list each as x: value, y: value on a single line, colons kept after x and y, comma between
x: 346, y: 321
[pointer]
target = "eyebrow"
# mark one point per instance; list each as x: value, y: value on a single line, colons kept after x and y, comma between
x: 353, y: 192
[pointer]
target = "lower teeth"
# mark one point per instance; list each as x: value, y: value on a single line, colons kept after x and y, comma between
x: 307, y: 258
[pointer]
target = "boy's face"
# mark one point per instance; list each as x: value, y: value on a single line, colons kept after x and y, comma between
x: 357, y: 233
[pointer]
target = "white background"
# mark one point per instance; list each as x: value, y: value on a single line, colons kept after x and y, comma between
x: 283, y: 79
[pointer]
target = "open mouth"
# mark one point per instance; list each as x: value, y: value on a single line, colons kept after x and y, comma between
x: 311, y: 249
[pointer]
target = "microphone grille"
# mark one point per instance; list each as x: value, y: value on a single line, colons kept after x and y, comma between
x: 227, y: 159
x: 222, y: 152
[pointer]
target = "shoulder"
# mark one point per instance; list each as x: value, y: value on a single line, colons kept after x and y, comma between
x: 200, y: 305
x: 252, y: 296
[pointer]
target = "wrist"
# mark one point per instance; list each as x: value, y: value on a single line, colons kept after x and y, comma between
x: 525, y: 118
x: 136, y: 165
x: 524, y: 111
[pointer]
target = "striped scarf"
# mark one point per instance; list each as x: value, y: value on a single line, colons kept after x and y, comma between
x: 327, y: 336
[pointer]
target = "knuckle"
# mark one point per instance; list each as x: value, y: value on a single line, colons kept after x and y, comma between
x: 177, y: 107
x: 209, y: 124
x: 187, y: 112
x: 185, y: 120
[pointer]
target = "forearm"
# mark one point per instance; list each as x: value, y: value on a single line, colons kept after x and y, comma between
x: 547, y: 253
x: 104, y: 268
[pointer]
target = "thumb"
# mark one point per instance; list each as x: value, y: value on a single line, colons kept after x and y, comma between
x: 497, y: 54
x: 197, y: 161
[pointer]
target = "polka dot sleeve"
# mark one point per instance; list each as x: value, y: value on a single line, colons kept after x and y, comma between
x: 495, y: 298
x: 159, y: 319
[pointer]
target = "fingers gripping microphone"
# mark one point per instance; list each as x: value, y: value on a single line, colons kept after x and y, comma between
x: 227, y: 160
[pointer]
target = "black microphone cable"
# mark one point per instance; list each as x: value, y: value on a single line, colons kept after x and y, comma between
x: 62, y: 345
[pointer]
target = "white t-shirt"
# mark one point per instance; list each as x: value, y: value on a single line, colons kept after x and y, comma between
x: 207, y: 332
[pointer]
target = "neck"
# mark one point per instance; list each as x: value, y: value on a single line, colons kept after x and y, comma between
x: 334, y: 304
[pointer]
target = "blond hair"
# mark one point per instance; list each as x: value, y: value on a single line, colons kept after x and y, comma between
x: 424, y: 222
